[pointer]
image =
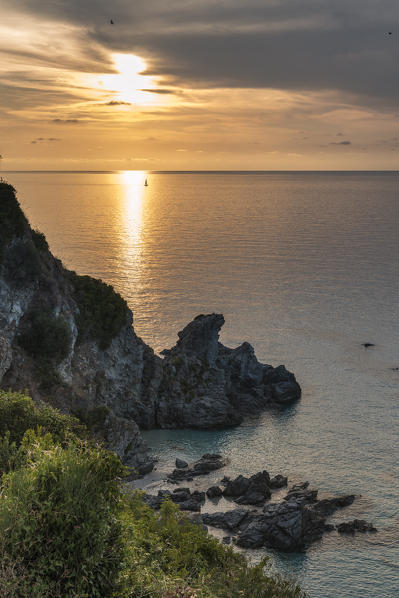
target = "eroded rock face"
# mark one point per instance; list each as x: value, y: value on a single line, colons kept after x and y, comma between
x: 208, y: 385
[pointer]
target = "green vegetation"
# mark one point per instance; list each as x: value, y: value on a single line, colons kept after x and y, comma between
x: 12, y: 220
x: 18, y: 413
x: 69, y: 530
x: 39, y: 240
x: 46, y: 336
x: 94, y: 418
x: 102, y: 311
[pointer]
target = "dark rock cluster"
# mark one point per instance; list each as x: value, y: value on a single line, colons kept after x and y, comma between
x: 207, y: 463
x: 208, y: 385
x: 290, y: 525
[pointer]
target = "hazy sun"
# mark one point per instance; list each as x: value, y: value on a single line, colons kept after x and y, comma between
x: 128, y: 83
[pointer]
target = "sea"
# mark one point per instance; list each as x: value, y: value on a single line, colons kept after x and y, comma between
x: 305, y: 267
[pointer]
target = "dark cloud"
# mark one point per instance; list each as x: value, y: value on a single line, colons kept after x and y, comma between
x: 45, y: 139
x: 285, y: 44
x: 67, y: 121
x: 117, y: 103
x: 341, y: 143
x: 159, y: 90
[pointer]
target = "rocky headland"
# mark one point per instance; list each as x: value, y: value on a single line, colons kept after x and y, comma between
x: 70, y: 341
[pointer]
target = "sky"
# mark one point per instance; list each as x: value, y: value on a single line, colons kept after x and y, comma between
x: 199, y: 85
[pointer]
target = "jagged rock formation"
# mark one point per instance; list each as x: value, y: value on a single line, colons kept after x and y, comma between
x: 291, y: 525
x: 208, y: 385
x: 70, y: 341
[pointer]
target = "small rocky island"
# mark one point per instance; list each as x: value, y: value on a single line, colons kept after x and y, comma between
x: 70, y: 341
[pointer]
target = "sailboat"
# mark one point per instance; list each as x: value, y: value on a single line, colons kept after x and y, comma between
x: 146, y: 183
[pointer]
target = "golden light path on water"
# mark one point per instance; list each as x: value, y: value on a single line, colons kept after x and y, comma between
x: 134, y: 191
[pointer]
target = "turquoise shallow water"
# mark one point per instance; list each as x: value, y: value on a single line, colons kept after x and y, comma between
x: 302, y: 265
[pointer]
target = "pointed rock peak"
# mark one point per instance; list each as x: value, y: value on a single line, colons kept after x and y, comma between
x: 200, y: 337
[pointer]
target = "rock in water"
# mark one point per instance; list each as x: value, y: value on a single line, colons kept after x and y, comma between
x: 203, y: 466
x: 357, y: 525
x: 249, y: 491
x: 289, y: 526
x: 208, y: 385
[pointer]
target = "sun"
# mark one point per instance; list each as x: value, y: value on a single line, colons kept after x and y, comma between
x: 128, y: 84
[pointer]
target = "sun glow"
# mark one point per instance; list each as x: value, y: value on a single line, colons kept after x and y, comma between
x: 128, y: 83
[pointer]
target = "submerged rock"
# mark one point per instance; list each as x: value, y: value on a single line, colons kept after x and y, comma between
x: 357, y: 525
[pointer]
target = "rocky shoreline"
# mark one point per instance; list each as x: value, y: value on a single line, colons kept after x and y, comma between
x: 70, y: 341
x: 293, y: 524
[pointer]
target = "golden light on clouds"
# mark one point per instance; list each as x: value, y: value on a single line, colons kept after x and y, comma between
x: 189, y: 88
x: 128, y: 85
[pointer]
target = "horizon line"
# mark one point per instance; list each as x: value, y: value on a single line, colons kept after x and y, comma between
x: 204, y: 171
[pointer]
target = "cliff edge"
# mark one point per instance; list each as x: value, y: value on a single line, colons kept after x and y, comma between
x: 70, y: 341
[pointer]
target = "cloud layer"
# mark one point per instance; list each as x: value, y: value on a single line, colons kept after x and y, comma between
x: 280, y: 77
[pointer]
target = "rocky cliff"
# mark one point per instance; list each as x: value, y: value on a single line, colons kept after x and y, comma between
x: 70, y: 341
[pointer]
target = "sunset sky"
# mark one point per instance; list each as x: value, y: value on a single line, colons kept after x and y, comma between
x: 199, y: 84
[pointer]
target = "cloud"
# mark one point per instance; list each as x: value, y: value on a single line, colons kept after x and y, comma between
x: 45, y: 139
x: 117, y: 103
x: 341, y: 143
x: 67, y: 121
x: 159, y: 90
x: 311, y: 45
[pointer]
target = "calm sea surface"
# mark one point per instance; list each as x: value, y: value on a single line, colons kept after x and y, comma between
x: 305, y: 266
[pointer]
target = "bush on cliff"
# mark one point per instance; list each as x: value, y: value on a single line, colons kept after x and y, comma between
x: 46, y: 335
x: 12, y: 220
x: 58, y: 519
x: 102, y: 311
x: 68, y: 529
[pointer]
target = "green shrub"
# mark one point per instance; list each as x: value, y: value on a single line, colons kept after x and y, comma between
x: 165, y: 554
x: 58, y: 519
x: 18, y: 413
x: 68, y: 529
x: 47, y: 336
x: 39, y: 240
x: 12, y: 220
x: 46, y: 375
x: 94, y: 418
x: 21, y: 263
x: 102, y: 311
